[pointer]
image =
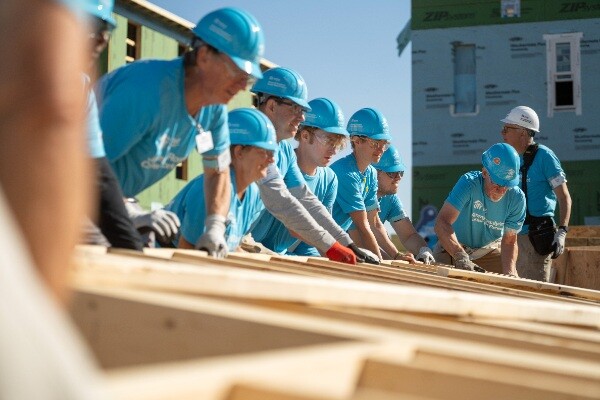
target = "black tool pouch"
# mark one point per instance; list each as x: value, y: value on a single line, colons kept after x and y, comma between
x: 541, y: 234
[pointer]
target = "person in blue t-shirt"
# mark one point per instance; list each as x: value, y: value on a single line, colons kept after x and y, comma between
x: 154, y: 112
x: 390, y: 170
x: 319, y: 138
x: 356, y: 202
x: 282, y: 96
x: 546, y: 184
x: 253, y: 143
x: 114, y: 224
x: 482, y: 215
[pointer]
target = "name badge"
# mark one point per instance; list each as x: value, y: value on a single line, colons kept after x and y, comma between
x: 204, y: 141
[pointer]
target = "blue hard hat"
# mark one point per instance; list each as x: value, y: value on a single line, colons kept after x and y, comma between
x: 250, y: 127
x: 369, y: 122
x: 285, y: 83
x: 502, y: 163
x: 390, y: 161
x: 326, y: 115
x: 236, y: 33
x: 101, y: 9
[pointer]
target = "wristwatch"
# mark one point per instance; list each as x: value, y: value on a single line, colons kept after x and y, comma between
x: 564, y: 228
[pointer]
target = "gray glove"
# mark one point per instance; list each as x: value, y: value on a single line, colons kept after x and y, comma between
x: 425, y: 255
x: 213, y: 238
x: 362, y: 256
x: 462, y: 261
x: 165, y: 224
x: 559, y: 242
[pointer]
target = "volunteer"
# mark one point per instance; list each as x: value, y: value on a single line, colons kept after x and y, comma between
x: 482, y: 214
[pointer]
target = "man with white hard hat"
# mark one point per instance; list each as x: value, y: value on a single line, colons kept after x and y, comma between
x: 482, y: 214
x: 544, y: 183
x: 154, y: 112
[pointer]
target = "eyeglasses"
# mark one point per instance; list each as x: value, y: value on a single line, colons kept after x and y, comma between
x: 376, y: 144
x: 296, y: 108
x: 234, y: 71
x: 331, y: 140
x: 266, y: 153
x: 395, y: 175
x: 507, y: 127
x: 101, y: 30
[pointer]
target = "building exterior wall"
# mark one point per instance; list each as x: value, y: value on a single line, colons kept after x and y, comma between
x: 510, y: 69
x: 158, y: 46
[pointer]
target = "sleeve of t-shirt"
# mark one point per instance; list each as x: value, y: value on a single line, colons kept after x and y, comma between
x: 460, y: 194
x: 371, y: 202
x: 219, y: 131
x: 349, y: 194
x: 516, y: 215
x: 396, y: 212
x: 124, y: 119
x: 331, y: 193
x: 553, y: 171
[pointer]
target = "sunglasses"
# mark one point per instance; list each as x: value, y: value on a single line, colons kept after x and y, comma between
x: 234, y: 71
x: 394, y: 175
x: 376, y: 144
x: 333, y: 141
x: 296, y: 109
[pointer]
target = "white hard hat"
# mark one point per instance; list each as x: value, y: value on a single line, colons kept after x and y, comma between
x: 523, y: 116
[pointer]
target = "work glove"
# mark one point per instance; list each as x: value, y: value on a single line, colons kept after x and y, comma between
x: 462, y: 261
x: 213, y: 238
x: 340, y: 253
x: 425, y: 255
x: 362, y: 255
x: 165, y: 224
x: 559, y: 242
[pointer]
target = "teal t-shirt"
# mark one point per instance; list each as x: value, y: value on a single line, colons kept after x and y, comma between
x: 481, y: 220
x: 324, y: 186
x: 286, y: 167
x: 147, y: 129
x: 543, y: 176
x: 357, y: 191
x: 189, y: 206
x: 390, y: 209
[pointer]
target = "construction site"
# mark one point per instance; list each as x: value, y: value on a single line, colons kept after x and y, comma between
x: 176, y: 323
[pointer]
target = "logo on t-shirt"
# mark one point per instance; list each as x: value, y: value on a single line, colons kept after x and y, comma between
x: 478, y: 205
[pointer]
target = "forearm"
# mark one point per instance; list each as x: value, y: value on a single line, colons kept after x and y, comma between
x: 447, y: 237
x: 320, y: 213
x: 368, y: 240
x: 44, y: 170
x: 217, y: 191
x: 509, y: 252
x: 383, y: 240
x: 287, y: 209
x: 564, y: 205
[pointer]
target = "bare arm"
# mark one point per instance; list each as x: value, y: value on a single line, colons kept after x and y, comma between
x: 217, y: 191
x: 509, y: 252
x: 564, y: 204
x: 408, y: 235
x: 444, y: 231
x: 44, y: 169
x: 381, y: 235
x: 367, y: 238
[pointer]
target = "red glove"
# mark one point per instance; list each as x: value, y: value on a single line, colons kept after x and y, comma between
x: 340, y: 253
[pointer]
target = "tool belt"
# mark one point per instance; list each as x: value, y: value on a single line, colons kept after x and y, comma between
x: 541, y: 234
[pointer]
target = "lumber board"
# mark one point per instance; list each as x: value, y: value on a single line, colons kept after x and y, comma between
x: 584, y: 231
x: 454, y: 383
x: 215, y: 280
x: 582, y: 267
x: 559, y: 341
x: 526, y: 284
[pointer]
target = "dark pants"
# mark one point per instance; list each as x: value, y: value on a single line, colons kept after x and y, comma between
x: 113, y: 220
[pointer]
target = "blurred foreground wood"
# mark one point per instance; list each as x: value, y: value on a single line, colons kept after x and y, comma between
x: 179, y: 325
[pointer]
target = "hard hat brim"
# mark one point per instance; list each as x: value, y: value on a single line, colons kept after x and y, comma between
x: 392, y: 168
x: 301, y: 102
x: 503, y: 182
x: 272, y: 146
x: 380, y: 136
x: 249, y: 67
x: 508, y: 121
x: 335, y: 130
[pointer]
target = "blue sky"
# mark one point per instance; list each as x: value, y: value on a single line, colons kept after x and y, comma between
x: 345, y: 50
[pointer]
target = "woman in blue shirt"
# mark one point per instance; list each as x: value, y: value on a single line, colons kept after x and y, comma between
x: 253, y: 144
